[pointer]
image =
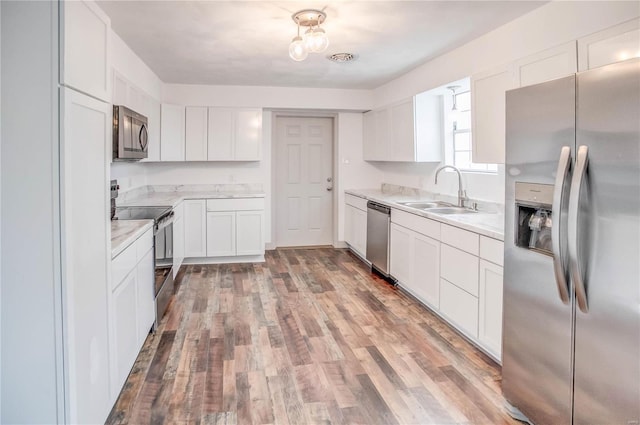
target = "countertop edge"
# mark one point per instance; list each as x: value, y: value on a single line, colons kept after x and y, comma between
x: 175, y: 198
x: 131, y: 238
x: 449, y: 220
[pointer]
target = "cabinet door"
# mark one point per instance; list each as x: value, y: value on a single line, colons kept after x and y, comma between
x: 249, y: 232
x: 488, y: 115
x: 360, y: 231
x: 400, y: 240
x: 86, y: 252
x: 460, y: 307
x: 153, y: 126
x: 120, y: 87
x: 426, y: 269
x: 490, y: 314
x: 221, y: 234
x: 247, y: 134
x: 85, y: 41
x: 369, y: 136
x: 548, y: 65
x: 220, y: 140
x: 145, y: 296
x: 196, y: 133
x: 612, y: 45
x: 195, y: 228
x: 126, y: 330
x: 402, y: 142
x: 349, y: 231
x: 172, y: 132
x: 178, y: 238
x: 428, y: 127
x: 380, y: 150
x: 459, y: 268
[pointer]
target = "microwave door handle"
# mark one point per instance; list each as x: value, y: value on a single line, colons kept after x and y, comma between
x: 582, y: 161
x: 143, y: 137
x: 557, y: 242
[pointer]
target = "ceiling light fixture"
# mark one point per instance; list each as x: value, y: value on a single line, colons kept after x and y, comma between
x: 315, y: 38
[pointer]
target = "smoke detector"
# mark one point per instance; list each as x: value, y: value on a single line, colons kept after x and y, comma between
x: 341, y: 57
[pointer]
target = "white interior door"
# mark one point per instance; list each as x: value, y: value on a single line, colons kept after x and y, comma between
x: 304, y: 181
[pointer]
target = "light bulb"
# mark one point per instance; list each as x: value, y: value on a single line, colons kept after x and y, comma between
x: 454, y: 114
x: 308, y: 40
x: 297, y: 50
x: 320, y: 40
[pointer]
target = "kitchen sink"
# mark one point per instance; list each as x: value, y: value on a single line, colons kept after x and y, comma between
x: 451, y: 210
x: 425, y: 204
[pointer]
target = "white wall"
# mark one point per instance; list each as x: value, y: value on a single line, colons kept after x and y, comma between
x: 31, y: 289
x: 543, y: 28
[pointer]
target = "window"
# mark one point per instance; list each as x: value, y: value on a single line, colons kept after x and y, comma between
x: 458, y: 133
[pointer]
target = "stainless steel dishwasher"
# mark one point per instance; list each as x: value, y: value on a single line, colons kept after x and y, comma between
x: 378, y: 219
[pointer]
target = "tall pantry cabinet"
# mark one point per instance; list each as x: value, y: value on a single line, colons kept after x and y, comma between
x: 56, y: 138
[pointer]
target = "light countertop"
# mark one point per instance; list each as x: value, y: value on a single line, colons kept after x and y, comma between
x: 490, y: 224
x: 172, y: 199
x: 125, y: 232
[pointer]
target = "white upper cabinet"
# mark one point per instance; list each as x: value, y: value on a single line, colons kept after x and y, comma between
x: 407, y: 131
x: 172, y: 132
x: 85, y: 49
x: 234, y: 134
x: 153, y: 125
x: 612, y: 45
x: 488, y: 114
x: 547, y: 65
x: 196, y: 133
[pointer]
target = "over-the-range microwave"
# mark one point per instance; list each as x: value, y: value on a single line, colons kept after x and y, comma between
x: 130, y: 135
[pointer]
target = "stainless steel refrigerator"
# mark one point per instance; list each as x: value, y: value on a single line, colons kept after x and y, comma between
x: 571, y: 338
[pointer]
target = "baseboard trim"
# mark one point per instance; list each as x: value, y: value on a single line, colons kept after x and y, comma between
x: 224, y: 260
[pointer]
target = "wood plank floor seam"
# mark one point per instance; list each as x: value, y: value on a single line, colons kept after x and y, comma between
x: 310, y: 336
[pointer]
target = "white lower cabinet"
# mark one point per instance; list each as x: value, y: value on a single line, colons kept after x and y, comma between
x: 460, y: 307
x: 224, y: 227
x: 490, y: 314
x: 132, y: 306
x: 460, y: 268
x: 400, y: 254
x: 195, y: 228
x: 178, y: 238
x: 355, y: 224
x: 221, y: 234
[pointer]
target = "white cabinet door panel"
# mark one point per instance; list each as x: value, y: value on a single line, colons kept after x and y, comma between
x: 196, y: 133
x: 220, y: 134
x: 145, y: 296
x: 349, y: 230
x: 402, y: 141
x: 126, y: 330
x: 248, y: 134
x: 85, y: 41
x: 426, y: 269
x: 490, y: 314
x: 547, y: 65
x: 249, y: 232
x: 195, y: 228
x: 172, y: 132
x: 460, y: 307
x: 221, y: 234
x: 369, y: 151
x: 380, y: 148
x: 612, y: 45
x: 400, y: 255
x: 360, y: 231
x: 459, y: 268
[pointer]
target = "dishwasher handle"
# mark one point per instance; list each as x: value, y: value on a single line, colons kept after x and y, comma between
x: 379, y: 207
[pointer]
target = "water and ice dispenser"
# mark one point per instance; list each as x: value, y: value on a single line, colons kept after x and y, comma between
x: 534, y: 216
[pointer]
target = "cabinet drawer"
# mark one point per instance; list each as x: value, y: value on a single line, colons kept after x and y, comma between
x: 461, y: 239
x: 416, y: 223
x: 122, y: 265
x: 492, y: 250
x: 144, y: 244
x: 236, y: 204
x: 355, y: 201
x: 460, y: 307
x: 459, y: 268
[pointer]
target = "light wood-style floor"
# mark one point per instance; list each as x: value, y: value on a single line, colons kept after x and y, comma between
x: 308, y: 337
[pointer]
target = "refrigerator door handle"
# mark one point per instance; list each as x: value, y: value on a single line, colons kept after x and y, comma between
x: 582, y: 161
x: 559, y: 259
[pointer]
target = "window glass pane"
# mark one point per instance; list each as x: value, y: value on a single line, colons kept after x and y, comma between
x: 462, y: 159
x: 462, y: 141
x: 463, y: 101
x: 463, y: 120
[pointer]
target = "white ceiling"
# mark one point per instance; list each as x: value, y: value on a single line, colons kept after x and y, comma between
x: 246, y: 42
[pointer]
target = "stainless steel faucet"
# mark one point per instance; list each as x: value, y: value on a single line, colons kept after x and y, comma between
x: 462, y: 194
